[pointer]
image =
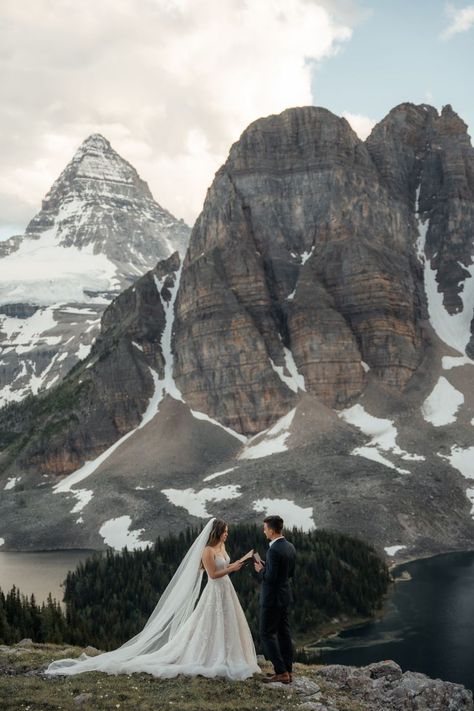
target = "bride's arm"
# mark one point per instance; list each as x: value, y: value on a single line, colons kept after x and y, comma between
x: 210, y: 565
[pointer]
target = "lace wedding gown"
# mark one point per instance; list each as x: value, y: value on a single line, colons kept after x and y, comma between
x: 214, y: 640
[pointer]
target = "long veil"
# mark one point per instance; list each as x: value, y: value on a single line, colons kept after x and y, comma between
x: 172, y: 610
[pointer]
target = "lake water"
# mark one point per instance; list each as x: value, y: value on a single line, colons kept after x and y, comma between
x: 38, y: 573
x: 429, y: 625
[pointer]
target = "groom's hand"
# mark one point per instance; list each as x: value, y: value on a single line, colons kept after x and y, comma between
x: 258, y: 566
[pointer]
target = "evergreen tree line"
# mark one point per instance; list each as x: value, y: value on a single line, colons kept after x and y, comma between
x: 110, y: 595
x: 21, y: 616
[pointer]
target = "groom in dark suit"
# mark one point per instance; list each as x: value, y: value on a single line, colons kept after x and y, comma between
x: 275, y: 598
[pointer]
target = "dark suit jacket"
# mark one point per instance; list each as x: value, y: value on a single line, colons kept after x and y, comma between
x: 275, y: 576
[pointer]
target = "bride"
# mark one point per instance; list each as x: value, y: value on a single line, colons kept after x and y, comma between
x: 211, y: 638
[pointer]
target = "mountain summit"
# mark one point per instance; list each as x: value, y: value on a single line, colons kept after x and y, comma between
x: 98, y: 230
x: 99, y: 198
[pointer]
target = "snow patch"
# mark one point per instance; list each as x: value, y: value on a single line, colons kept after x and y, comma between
x: 384, y: 435
x: 391, y: 550
x: 78, y: 311
x: 167, y: 383
x: 470, y: 496
x: 11, y: 482
x: 116, y: 534
x: 306, y: 255
x: 24, y: 334
x: 273, y: 442
x: 453, y: 329
x: 83, y: 497
x: 441, y: 406
x: 42, y: 272
x: 202, y: 416
x: 462, y: 459
x: 214, y: 476
x: 374, y: 454
x: 292, y: 514
x: 195, y: 501
x: 297, y: 378
x: 83, y: 351
x: 449, y: 362
x: 2, y: 541
x: 295, y: 381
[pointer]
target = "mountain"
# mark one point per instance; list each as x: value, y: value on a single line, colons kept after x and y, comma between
x: 98, y: 230
x: 310, y: 355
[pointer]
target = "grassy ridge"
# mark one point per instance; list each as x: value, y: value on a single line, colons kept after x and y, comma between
x: 24, y: 686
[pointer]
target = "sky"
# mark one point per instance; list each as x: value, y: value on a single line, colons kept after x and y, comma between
x: 173, y: 83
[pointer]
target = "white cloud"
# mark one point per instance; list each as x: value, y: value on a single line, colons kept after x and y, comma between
x: 171, y: 83
x: 362, y: 125
x: 462, y: 19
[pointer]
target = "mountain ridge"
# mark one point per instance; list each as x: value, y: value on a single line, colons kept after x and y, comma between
x: 306, y: 370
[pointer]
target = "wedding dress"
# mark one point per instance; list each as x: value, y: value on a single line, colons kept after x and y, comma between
x: 211, y: 638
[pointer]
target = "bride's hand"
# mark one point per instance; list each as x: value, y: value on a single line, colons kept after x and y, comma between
x: 234, y: 566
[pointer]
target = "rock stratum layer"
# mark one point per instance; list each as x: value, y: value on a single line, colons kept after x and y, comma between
x: 302, y: 261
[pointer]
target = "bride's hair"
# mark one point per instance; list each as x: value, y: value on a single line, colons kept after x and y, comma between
x: 218, y: 528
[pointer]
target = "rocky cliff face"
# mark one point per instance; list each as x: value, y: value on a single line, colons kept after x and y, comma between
x: 427, y: 163
x: 104, y: 397
x: 300, y: 270
x: 303, y: 359
x: 99, y: 229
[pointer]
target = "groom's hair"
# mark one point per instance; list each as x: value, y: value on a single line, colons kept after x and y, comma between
x: 275, y: 523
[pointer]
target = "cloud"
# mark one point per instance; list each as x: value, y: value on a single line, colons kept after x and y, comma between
x: 362, y: 125
x: 171, y: 83
x: 462, y: 19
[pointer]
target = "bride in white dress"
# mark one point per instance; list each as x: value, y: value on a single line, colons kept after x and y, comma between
x: 211, y: 638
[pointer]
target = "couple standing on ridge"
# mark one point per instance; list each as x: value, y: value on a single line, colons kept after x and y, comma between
x: 211, y: 638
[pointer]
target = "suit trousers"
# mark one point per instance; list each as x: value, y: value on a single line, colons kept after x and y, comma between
x: 276, y: 638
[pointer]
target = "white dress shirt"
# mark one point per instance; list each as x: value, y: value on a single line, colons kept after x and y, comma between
x: 275, y: 539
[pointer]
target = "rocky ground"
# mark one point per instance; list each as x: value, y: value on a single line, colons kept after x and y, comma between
x: 381, y: 686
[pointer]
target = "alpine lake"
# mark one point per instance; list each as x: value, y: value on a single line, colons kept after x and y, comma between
x: 428, y: 625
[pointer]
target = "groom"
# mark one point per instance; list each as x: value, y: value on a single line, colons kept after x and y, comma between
x: 275, y: 598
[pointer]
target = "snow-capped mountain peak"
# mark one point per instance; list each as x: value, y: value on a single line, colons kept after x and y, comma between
x: 98, y: 230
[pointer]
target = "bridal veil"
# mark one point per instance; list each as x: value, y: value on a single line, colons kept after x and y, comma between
x: 174, y: 607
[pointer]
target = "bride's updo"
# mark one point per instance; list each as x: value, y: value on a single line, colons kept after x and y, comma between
x: 218, y: 528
